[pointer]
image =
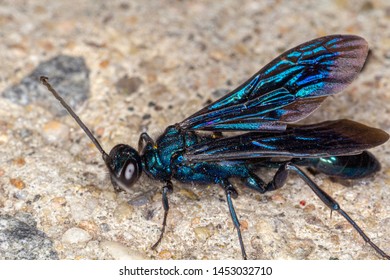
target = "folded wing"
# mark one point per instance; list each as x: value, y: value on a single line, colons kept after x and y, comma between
x: 331, y: 138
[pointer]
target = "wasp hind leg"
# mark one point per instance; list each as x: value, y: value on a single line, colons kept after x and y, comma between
x: 280, y: 179
x: 255, y: 183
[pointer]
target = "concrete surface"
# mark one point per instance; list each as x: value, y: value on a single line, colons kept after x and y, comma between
x: 151, y: 64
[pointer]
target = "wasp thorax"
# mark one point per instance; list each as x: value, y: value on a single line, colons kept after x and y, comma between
x: 125, y: 166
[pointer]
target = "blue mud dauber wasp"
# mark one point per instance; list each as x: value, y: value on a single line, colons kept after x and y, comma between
x: 286, y: 90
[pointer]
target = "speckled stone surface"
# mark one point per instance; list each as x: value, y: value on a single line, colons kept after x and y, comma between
x: 151, y: 64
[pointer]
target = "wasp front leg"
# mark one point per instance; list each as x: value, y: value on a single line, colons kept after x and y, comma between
x: 168, y: 188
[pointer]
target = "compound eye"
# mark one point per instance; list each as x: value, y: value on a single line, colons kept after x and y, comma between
x: 129, y: 171
x: 125, y: 166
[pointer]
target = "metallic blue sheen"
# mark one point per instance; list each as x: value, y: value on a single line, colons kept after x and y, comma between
x: 163, y: 160
x: 346, y: 167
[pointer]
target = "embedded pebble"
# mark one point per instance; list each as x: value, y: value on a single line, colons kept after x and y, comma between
x: 165, y: 255
x: 244, y: 224
x: 76, y: 235
x: 120, y: 252
x: 89, y: 226
x: 18, y: 183
x: 19, y: 161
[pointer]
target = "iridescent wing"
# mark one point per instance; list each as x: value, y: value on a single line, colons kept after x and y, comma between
x: 331, y: 138
x: 287, y: 89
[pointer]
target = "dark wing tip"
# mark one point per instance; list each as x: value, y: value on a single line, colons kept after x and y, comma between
x: 366, y: 136
x: 376, y: 136
x: 338, y: 59
x: 351, y: 54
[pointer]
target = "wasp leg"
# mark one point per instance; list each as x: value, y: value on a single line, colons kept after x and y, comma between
x: 279, y: 179
x: 231, y: 192
x: 255, y: 183
x: 168, y: 188
x: 144, y: 138
x: 327, y: 199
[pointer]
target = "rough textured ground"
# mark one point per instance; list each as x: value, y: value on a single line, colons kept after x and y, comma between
x: 149, y: 64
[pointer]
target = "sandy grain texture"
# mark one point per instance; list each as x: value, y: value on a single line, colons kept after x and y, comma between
x: 151, y: 64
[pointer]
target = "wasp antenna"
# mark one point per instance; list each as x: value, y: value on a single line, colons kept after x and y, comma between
x: 45, y: 81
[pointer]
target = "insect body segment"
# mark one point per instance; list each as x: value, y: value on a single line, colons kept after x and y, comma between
x: 345, y: 167
x: 164, y: 160
x: 286, y: 90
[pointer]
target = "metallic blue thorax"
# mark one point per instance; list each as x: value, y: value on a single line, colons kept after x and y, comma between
x: 163, y: 160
